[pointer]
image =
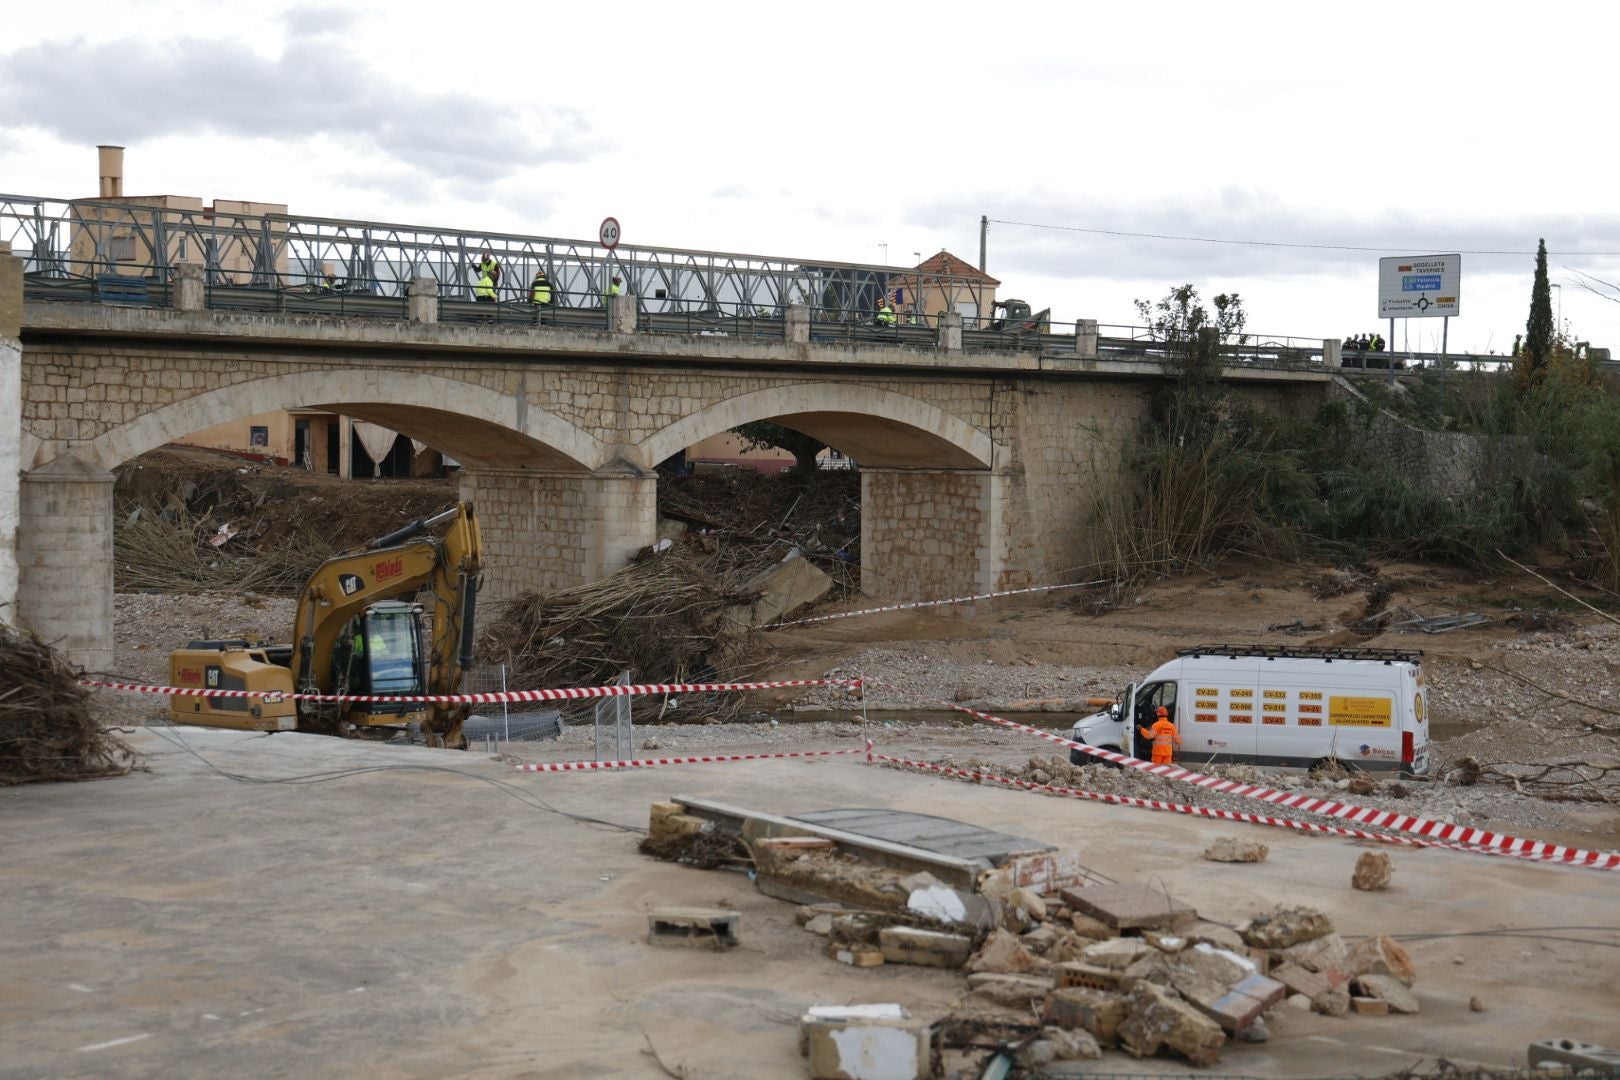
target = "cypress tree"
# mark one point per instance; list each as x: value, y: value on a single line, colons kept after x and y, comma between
x: 1538, y: 331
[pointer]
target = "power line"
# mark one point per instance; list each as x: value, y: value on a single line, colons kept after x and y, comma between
x: 1273, y: 243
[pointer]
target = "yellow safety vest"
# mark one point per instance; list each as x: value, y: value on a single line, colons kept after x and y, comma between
x: 540, y: 293
x: 886, y: 315
x: 486, y: 287
x: 612, y: 290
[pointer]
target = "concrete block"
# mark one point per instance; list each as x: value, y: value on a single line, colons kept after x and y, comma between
x: 1156, y: 1020
x: 190, y: 290
x: 692, y: 927
x: 1238, y: 1006
x: 867, y: 1048
x: 1095, y: 1011
x: 854, y: 955
x: 1128, y: 907
x: 925, y: 948
x: 1366, y: 1006
x: 1387, y: 988
x: 1381, y: 956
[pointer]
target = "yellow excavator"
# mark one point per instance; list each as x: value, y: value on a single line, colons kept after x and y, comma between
x: 353, y: 636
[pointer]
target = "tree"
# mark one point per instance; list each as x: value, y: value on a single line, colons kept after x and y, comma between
x: 1538, y: 331
x: 1193, y: 408
x: 762, y: 433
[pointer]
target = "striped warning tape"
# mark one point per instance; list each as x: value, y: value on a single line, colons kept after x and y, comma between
x: 702, y: 759
x: 1465, y: 835
x: 576, y: 693
x: 1198, y: 811
x: 912, y: 605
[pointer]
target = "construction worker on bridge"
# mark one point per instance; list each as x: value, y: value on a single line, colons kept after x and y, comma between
x: 485, y: 291
x: 540, y: 288
x: 885, y: 315
x: 1164, y: 736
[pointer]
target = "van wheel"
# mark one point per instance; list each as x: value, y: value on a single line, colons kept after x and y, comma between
x: 1080, y: 757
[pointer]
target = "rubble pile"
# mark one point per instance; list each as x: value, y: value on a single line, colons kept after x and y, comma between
x: 1056, y: 964
x: 47, y: 731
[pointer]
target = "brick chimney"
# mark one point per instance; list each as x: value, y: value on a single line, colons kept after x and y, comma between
x: 112, y: 171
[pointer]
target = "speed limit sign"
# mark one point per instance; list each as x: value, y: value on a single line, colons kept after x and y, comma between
x: 609, y: 233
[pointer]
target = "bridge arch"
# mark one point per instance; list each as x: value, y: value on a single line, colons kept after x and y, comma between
x: 878, y: 428
x: 478, y: 426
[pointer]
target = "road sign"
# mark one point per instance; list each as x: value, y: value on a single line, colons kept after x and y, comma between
x: 1419, y: 286
x: 609, y: 233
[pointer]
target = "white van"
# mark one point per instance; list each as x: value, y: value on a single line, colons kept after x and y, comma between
x: 1281, y: 706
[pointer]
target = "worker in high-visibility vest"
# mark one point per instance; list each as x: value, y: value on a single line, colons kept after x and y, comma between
x: 613, y: 289
x: 540, y: 288
x: 485, y: 291
x: 885, y: 315
x: 1164, y: 736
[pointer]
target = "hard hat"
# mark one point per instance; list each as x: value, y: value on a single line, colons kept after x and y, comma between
x: 1162, y: 711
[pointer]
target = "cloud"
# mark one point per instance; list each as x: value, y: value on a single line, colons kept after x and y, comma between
x: 1040, y: 243
x: 130, y: 90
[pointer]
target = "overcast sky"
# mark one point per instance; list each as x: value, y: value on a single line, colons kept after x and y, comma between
x: 828, y: 130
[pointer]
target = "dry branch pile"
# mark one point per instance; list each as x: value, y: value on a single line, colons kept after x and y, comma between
x: 46, y: 730
x: 667, y: 618
x: 167, y: 549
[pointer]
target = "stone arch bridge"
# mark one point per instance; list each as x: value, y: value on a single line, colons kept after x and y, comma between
x: 979, y: 469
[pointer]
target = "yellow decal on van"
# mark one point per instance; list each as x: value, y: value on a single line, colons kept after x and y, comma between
x: 1204, y: 718
x: 1310, y: 721
x: 1272, y: 706
x: 1279, y: 695
x: 1206, y: 691
x: 1310, y: 709
x: 1240, y: 693
x: 1359, y: 711
x: 1310, y: 695
x: 1241, y: 718
x: 1269, y: 719
x: 1417, y: 706
x: 1209, y: 704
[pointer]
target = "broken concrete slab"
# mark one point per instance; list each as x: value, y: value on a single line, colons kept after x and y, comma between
x: 1222, y: 937
x: 1129, y: 907
x: 1380, y: 956
x: 953, y: 907
x: 867, y: 1048
x: 1002, y: 953
x: 1040, y: 940
x: 1156, y: 1020
x: 820, y: 925
x: 1299, y: 981
x: 1029, y: 903
x: 1096, y: 1012
x: 1327, y: 955
x: 1115, y: 953
x: 1237, y: 1006
x: 1372, y: 873
x: 925, y: 948
x: 1230, y: 849
x: 1389, y: 989
x: 1021, y: 991
x: 1087, y: 927
x: 783, y: 589
x: 669, y: 821
x: 1283, y: 927
x: 693, y: 927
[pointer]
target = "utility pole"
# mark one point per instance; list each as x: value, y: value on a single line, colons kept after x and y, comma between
x: 984, y: 232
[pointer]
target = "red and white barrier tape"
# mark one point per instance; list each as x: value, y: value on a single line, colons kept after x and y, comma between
x: 576, y: 693
x: 914, y: 604
x: 1467, y: 836
x: 703, y: 759
x: 1198, y: 811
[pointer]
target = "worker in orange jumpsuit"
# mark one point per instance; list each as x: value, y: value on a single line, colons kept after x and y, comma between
x: 1164, y: 736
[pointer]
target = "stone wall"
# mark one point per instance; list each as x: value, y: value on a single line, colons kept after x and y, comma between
x: 10, y: 427
x: 65, y: 556
x: 929, y: 534
x: 545, y: 531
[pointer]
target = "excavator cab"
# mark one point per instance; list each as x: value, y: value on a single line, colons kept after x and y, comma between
x: 385, y: 656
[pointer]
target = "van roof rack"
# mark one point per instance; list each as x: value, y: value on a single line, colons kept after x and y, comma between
x: 1304, y: 652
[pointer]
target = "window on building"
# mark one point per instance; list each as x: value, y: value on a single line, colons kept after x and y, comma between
x: 258, y: 435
